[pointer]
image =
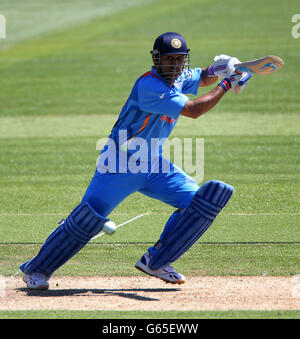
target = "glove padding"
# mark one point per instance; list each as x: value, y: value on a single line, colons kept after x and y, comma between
x: 223, y: 66
x: 236, y: 81
x: 239, y: 81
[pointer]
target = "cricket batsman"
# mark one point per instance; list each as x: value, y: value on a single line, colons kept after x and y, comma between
x: 157, y: 100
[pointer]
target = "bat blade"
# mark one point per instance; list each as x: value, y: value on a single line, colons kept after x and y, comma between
x: 265, y: 65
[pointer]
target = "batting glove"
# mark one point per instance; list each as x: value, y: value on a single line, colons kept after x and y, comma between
x: 223, y: 66
x: 236, y: 81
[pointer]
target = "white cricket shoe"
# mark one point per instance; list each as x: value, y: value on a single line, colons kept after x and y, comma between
x: 166, y: 272
x: 36, y: 281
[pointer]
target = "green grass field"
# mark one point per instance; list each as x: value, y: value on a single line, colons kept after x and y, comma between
x: 66, y: 70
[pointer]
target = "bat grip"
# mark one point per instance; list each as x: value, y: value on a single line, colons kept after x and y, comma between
x: 245, y: 79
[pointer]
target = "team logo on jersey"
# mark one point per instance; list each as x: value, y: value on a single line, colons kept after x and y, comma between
x: 176, y: 43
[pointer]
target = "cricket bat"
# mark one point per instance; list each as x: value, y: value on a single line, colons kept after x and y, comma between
x: 265, y: 65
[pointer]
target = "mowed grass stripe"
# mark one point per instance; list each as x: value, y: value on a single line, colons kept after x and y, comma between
x: 203, y: 259
x: 217, y: 122
x: 150, y: 315
x: 148, y: 213
x: 91, y: 68
x: 217, y: 243
x: 50, y: 175
x: 37, y: 19
x: 226, y: 228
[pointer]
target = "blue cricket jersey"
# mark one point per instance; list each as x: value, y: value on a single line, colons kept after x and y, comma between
x: 150, y: 113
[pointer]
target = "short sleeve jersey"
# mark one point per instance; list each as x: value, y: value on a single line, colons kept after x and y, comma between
x: 153, y: 106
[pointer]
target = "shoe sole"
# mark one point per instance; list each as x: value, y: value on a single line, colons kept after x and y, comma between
x: 178, y: 282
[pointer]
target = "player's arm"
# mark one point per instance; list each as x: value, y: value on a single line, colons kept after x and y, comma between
x: 206, y: 79
x: 195, y: 108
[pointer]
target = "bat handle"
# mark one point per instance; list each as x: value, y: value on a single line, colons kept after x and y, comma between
x: 244, y: 79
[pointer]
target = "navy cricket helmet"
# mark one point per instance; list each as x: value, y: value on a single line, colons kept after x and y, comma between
x: 170, y: 43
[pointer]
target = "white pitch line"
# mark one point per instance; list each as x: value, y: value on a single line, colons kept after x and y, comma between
x: 120, y: 225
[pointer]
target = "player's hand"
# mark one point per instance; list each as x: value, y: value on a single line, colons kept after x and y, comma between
x: 239, y: 81
x: 236, y: 81
x: 223, y: 66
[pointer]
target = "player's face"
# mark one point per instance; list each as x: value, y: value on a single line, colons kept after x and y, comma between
x: 171, y: 66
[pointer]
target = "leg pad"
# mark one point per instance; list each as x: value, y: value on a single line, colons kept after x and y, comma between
x: 64, y: 242
x: 192, y: 222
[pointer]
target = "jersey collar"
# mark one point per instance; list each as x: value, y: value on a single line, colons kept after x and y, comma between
x: 157, y: 75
